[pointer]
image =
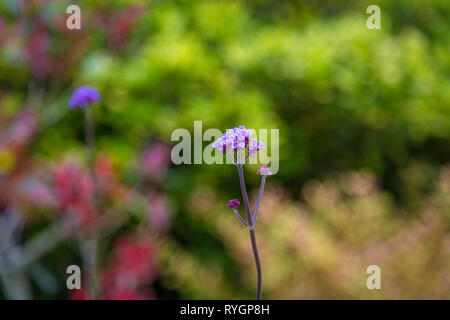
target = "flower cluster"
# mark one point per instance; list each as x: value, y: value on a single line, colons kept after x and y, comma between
x: 238, y: 138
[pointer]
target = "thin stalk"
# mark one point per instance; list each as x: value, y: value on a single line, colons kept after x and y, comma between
x: 261, y: 189
x: 252, y: 232
x: 241, y: 219
x: 93, y: 241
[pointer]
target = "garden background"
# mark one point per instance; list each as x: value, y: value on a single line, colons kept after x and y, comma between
x: 364, y: 122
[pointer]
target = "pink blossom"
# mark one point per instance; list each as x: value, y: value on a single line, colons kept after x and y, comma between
x: 37, y: 193
x: 154, y: 160
x: 74, y: 191
x: 131, y: 266
x: 234, y: 203
x: 158, y: 212
x: 264, y: 171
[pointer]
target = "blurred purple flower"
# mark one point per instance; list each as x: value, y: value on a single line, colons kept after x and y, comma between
x: 83, y: 96
x: 158, y: 212
x: 154, y: 160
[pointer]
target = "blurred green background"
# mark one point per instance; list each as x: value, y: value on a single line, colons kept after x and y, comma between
x: 364, y: 120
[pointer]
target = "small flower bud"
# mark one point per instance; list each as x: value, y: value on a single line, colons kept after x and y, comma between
x: 234, y: 203
x: 264, y: 171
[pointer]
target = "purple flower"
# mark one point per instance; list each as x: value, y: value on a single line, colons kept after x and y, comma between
x: 234, y: 203
x: 238, y: 138
x: 83, y: 96
x: 264, y: 171
x: 254, y: 146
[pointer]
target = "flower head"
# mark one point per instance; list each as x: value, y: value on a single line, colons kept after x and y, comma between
x: 234, y: 203
x: 83, y: 96
x: 264, y: 171
x: 238, y: 138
